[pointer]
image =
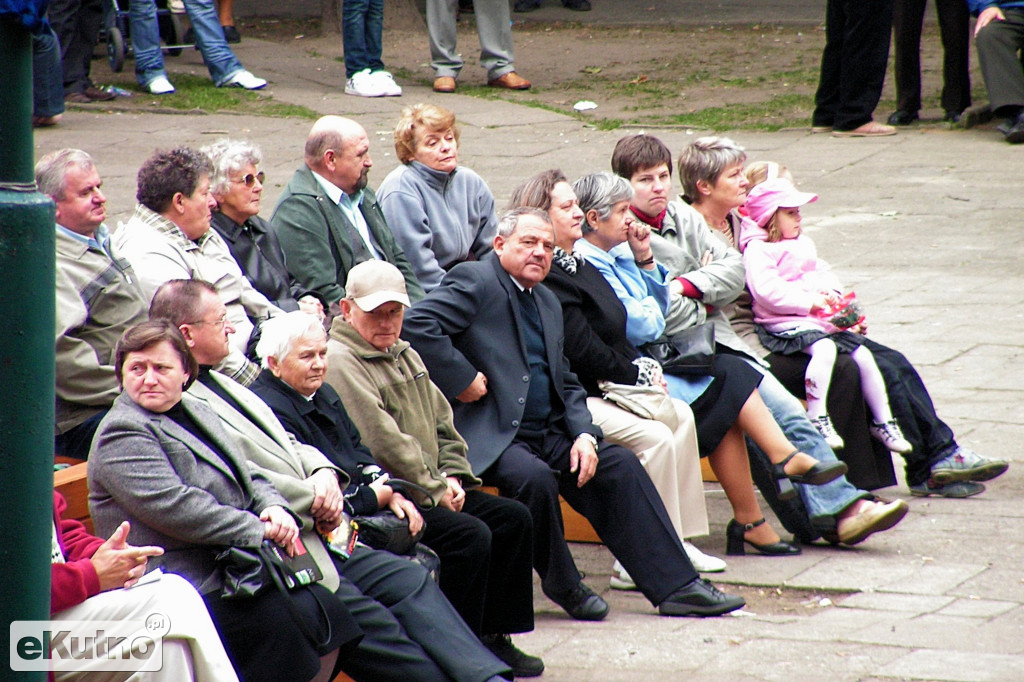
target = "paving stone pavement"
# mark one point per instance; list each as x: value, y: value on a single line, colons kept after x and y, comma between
x: 926, y: 226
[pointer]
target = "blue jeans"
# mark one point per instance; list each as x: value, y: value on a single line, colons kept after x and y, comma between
x: 47, y: 75
x: 145, y: 34
x: 820, y: 500
x: 362, y: 24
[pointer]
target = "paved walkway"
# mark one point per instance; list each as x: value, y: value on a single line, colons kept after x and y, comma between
x: 925, y: 225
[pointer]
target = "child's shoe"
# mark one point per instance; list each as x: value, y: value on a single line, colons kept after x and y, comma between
x: 889, y: 434
x: 828, y: 432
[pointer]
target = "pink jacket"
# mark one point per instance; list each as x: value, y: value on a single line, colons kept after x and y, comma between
x: 784, y: 278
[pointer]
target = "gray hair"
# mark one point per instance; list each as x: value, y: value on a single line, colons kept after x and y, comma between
x: 230, y: 156
x: 52, y: 170
x: 509, y: 220
x: 279, y: 334
x: 705, y: 159
x: 600, y: 192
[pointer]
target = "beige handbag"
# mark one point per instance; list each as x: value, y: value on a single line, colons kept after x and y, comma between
x: 648, y: 402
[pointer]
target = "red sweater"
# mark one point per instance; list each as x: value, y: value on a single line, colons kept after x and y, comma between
x: 73, y: 582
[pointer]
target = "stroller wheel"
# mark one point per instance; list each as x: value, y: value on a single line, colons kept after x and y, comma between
x: 115, y: 49
x: 175, y: 34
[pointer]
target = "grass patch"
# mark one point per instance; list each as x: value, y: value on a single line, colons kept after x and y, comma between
x: 781, y: 111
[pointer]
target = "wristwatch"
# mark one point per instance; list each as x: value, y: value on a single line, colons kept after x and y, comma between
x: 588, y: 436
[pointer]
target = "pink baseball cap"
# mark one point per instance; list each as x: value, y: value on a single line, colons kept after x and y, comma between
x: 765, y: 199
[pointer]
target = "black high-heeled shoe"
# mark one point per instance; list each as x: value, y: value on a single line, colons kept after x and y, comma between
x: 735, y: 539
x: 819, y: 474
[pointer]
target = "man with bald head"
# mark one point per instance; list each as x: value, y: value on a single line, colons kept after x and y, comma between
x: 328, y: 220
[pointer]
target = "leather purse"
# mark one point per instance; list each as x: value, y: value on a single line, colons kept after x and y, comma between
x: 647, y: 402
x: 691, y: 351
x: 386, y: 531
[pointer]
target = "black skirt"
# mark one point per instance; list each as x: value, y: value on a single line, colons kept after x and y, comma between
x: 717, y: 408
x: 788, y: 344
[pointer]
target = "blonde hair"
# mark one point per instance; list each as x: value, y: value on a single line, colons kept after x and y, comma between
x: 761, y: 171
x: 417, y: 120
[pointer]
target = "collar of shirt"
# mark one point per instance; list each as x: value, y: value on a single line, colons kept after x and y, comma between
x: 97, y: 241
x: 168, y: 229
x: 594, y: 253
x: 336, y: 194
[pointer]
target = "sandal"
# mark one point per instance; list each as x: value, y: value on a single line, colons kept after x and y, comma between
x: 819, y: 474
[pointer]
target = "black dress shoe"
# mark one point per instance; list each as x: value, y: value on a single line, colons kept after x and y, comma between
x: 231, y: 34
x: 1015, y: 133
x: 952, y: 116
x: 522, y: 664
x: 700, y: 598
x: 581, y: 602
x: 525, y: 6
x: 577, y: 5
x: 902, y: 118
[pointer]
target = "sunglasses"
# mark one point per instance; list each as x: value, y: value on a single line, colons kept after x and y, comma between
x: 249, y: 179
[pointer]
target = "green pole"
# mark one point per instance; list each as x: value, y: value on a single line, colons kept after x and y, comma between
x: 26, y: 351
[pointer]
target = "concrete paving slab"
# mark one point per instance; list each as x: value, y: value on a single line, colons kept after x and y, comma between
x: 978, y: 608
x: 956, y: 667
x: 888, y: 601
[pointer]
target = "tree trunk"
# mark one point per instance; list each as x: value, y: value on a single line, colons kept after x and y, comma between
x: 399, y: 15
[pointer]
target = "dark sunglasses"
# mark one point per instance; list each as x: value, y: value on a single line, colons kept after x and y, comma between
x: 249, y: 179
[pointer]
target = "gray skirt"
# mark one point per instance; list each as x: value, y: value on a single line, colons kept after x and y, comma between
x: 794, y: 342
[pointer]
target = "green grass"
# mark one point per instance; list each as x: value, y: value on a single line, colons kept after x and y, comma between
x: 776, y: 113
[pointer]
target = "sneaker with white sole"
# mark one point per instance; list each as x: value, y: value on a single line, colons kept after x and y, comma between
x: 703, y: 563
x: 364, y: 84
x: 244, y: 79
x: 965, y: 464
x: 620, y: 580
x: 828, y: 431
x: 386, y: 82
x: 890, y: 435
x: 159, y: 86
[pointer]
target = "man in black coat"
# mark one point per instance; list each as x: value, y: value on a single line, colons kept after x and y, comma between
x: 492, y: 341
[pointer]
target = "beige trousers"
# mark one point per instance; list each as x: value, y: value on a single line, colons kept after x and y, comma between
x: 670, y: 458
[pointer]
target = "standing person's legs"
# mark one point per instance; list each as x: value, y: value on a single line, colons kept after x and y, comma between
x: 508, y: 606
x: 493, y: 26
x: 375, y: 35
x: 47, y: 79
x: 218, y: 57
x: 354, y: 36
x: 145, y: 30
x: 955, y: 29
x: 866, y: 38
x: 907, y: 22
x: 670, y: 458
x: 826, y: 99
x: 444, y: 59
x: 520, y: 474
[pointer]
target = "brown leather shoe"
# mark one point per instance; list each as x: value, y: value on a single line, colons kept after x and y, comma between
x: 444, y: 84
x: 99, y: 94
x: 510, y: 81
x: 77, y: 98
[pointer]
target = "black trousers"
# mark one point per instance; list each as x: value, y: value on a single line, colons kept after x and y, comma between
x: 486, y: 553
x: 955, y: 30
x: 620, y: 502
x: 998, y: 45
x: 77, y: 24
x: 857, y: 34
x: 411, y: 632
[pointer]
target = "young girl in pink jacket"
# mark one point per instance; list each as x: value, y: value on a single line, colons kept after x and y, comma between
x: 792, y: 291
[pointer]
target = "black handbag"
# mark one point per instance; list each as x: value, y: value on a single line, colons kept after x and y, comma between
x: 691, y: 351
x: 248, y: 572
x: 386, y: 531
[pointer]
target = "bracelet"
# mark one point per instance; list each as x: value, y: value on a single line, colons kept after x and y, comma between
x: 642, y: 263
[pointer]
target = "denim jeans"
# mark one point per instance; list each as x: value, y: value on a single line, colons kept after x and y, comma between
x: 145, y: 35
x: 820, y: 500
x: 47, y: 75
x: 362, y: 24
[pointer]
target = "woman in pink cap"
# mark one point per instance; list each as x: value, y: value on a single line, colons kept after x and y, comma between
x: 794, y: 294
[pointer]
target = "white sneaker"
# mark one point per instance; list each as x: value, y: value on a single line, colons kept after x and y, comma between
x: 891, y: 436
x: 160, y: 86
x: 620, y: 579
x: 828, y: 431
x: 364, y: 84
x: 386, y: 82
x: 703, y: 563
x: 244, y: 79
x: 176, y: 6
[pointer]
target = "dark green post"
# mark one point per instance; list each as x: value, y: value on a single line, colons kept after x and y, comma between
x: 26, y: 351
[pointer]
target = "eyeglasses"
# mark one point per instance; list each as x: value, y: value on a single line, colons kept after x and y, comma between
x: 249, y: 179
x: 219, y: 322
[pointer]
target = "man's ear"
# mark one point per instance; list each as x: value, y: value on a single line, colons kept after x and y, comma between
x: 186, y: 332
x: 499, y: 244
x: 346, y: 307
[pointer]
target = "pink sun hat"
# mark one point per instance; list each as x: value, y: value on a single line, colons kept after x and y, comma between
x: 771, y: 195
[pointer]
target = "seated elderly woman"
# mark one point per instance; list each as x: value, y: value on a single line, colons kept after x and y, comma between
x: 169, y: 237
x: 441, y: 213
x: 161, y: 461
x: 237, y: 187
x: 666, y: 448
x: 486, y: 557
x: 708, y: 286
x: 725, y: 403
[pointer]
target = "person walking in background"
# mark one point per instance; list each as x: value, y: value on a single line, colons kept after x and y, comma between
x: 853, y: 68
x: 955, y: 30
